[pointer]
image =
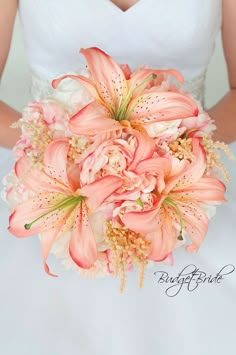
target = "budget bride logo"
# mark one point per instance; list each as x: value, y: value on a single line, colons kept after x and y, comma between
x: 190, y: 278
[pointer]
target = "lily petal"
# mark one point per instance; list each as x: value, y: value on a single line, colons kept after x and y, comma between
x: 107, y: 75
x: 195, y: 223
x: 93, y: 119
x: 207, y: 189
x: 35, y: 179
x: 165, y: 236
x: 161, y: 167
x: 160, y: 106
x: 142, y: 222
x: 55, y: 160
x: 47, y: 239
x: 87, y: 83
x: 73, y: 173
x: 193, y: 171
x: 41, y: 207
x: 100, y: 190
x: 141, y: 74
x: 126, y: 71
x: 144, y: 150
x: 82, y: 247
x: 185, y: 173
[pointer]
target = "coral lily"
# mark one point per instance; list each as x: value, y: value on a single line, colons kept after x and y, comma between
x: 117, y: 100
x: 179, y: 199
x: 59, y: 204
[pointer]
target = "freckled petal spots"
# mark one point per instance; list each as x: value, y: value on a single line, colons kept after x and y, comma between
x: 107, y: 75
x: 141, y: 74
x: 160, y: 106
x: 165, y: 236
x: 93, y: 119
x: 208, y: 190
x: 34, y: 208
x: 35, y: 179
x: 82, y: 246
x: 195, y: 223
x: 55, y: 160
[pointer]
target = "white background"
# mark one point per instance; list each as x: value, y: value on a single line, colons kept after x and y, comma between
x: 15, y: 81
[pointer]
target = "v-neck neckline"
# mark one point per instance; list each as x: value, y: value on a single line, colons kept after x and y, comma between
x: 131, y: 8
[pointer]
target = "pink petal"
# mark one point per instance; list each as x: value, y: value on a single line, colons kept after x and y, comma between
x: 193, y: 171
x: 107, y: 75
x: 87, y: 83
x: 35, y: 179
x: 36, y: 207
x: 93, y: 119
x: 164, y: 238
x: 141, y: 74
x: 141, y: 222
x: 55, y: 160
x: 126, y: 71
x: 73, y: 174
x: 160, y: 106
x: 98, y: 191
x: 159, y: 167
x: 185, y: 173
x: 195, y: 223
x: 144, y: 150
x: 207, y: 189
x: 154, y: 165
x: 127, y: 195
x: 47, y: 239
x: 96, y: 143
x: 82, y: 246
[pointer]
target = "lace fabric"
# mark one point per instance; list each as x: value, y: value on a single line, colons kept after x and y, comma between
x: 41, y: 88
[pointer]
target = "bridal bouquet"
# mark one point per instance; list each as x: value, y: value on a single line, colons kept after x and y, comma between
x: 117, y: 174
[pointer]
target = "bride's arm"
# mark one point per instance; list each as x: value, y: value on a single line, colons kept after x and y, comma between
x: 224, y: 112
x: 8, y: 8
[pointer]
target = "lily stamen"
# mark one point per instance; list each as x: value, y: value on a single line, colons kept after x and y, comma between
x: 172, y: 204
x: 68, y: 202
x: 123, y: 107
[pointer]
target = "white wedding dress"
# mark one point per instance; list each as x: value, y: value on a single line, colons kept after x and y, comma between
x: 71, y: 315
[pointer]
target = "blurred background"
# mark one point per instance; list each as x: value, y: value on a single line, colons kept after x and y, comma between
x: 16, y: 78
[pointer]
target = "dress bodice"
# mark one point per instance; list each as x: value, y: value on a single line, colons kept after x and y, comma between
x: 166, y: 34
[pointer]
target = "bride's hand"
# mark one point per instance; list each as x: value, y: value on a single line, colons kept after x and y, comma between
x: 8, y: 115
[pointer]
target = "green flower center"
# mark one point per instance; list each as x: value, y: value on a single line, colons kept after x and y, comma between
x: 121, y: 112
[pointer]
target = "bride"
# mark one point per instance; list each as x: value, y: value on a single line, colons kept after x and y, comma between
x: 72, y: 315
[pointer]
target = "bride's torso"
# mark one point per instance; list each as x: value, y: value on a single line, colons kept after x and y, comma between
x: 175, y: 34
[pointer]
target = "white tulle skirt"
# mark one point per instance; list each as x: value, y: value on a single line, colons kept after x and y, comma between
x: 40, y: 315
